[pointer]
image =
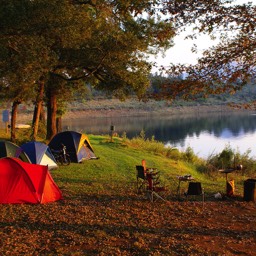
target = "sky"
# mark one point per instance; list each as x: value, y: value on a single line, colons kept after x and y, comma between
x: 181, y: 52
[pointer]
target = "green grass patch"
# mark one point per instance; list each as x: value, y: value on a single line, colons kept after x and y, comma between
x: 115, y: 171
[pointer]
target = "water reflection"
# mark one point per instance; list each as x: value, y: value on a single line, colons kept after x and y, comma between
x: 205, y: 134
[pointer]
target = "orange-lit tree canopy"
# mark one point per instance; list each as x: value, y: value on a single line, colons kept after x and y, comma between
x: 226, y: 67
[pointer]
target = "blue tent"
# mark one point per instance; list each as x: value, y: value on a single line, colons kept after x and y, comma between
x: 77, y: 144
x: 39, y: 153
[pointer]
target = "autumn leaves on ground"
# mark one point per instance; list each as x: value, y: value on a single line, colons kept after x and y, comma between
x: 101, y: 213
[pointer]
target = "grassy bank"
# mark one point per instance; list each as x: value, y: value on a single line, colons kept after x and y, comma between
x: 101, y: 213
x: 114, y: 171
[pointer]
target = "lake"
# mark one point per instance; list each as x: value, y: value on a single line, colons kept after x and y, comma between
x: 206, y: 135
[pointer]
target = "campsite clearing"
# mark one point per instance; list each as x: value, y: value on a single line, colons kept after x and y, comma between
x: 101, y: 214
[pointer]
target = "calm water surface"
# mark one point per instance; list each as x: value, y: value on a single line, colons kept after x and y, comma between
x: 205, y: 134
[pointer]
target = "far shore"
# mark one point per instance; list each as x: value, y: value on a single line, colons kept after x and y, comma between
x: 170, y: 111
x: 75, y: 113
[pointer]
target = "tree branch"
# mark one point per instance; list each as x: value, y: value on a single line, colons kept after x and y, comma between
x: 91, y: 72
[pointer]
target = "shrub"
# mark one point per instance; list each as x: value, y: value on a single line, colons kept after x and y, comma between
x: 230, y: 158
x: 173, y: 153
x: 189, y: 155
x: 157, y: 147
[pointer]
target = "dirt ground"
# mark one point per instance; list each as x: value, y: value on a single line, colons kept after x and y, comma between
x: 133, y: 226
x: 128, y: 224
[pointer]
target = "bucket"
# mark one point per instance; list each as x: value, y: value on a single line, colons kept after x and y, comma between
x: 250, y: 190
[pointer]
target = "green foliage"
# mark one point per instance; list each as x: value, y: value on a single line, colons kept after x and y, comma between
x: 70, y: 44
x: 146, y: 144
x: 75, y: 41
x: 226, y: 158
x: 189, y: 155
x: 159, y: 148
x: 173, y: 153
x: 142, y: 134
x: 225, y: 67
x: 241, y: 97
x: 231, y: 158
x: 124, y: 136
x: 222, y: 160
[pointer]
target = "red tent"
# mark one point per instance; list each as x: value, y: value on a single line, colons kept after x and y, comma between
x: 22, y: 182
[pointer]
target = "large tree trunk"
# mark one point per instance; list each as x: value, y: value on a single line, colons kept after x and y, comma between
x: 51, y: 114
x: 14, y: 113
x: 37, y: 110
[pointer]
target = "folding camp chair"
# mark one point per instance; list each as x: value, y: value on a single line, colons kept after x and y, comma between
x: 148, y: 169
x: 154, y: 188
x: 142, y: 176
x: 141, y: 179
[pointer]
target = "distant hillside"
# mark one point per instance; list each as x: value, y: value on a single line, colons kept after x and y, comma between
x: 102, y: 105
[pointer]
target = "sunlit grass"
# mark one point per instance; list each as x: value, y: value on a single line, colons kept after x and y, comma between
x: 115, y: 171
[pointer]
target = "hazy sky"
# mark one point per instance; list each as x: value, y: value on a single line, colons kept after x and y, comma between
x: 181, y: 52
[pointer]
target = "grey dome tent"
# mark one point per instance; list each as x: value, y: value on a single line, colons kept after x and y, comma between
x: 9, y: 149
